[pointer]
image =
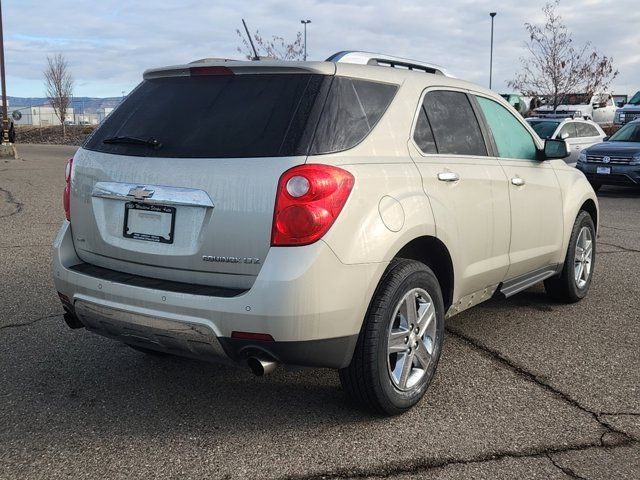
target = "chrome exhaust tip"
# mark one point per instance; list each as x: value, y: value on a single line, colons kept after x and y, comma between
x: 261, y: 365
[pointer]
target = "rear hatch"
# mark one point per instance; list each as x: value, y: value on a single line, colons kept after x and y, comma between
x: 179, y: 182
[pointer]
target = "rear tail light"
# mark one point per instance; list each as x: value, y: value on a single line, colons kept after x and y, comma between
x: 67, y: 189
x: 309, y: 199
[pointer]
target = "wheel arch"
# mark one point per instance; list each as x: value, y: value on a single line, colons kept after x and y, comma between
x: 433, y: 252
x: 590, y: 207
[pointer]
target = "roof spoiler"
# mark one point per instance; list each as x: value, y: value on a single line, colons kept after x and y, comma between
x: 381, y: 60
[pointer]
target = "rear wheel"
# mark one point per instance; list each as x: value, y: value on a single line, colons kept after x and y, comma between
x: 400, y: 342
x: 573, y: 283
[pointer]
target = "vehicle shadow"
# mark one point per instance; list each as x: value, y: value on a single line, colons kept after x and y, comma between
x: 612, y: 191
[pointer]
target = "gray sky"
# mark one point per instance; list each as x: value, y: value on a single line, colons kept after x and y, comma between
x: 110, y: 42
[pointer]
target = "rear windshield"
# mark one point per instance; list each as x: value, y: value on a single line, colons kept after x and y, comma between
x: 233, y: 116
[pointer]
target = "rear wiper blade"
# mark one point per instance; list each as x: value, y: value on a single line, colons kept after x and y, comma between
x: 151, y: 142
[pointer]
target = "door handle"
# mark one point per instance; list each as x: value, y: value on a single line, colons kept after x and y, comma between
x: 517, y: 181
x: 448, y: 177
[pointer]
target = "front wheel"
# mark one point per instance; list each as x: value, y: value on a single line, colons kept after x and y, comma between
x: 400, y: 342
x: 573, y: 283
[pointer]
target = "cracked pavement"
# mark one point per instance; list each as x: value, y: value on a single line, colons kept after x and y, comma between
x: 526, y: 388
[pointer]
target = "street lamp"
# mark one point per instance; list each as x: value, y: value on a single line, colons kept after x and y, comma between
x: 492, y: 14
x: 304, y: 22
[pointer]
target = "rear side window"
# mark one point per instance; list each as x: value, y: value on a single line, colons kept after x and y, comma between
x: 568, y: 128
x: 453, y: 123
x: 352, y: 109
x: 512, y: 139
x: 586, y: 130
x: 214, y: 116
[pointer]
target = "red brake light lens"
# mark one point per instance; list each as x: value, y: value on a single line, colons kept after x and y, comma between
x: 67, y: 189
x: 204, y: 71
x: 310, y: 197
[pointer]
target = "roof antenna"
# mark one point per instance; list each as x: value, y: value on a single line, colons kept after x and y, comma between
x: 255, y: 52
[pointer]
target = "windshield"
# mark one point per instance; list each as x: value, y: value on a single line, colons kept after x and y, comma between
x: 635, y: 100
x: 629, y: 133
x: 543, y: 128
x: 574, y: 99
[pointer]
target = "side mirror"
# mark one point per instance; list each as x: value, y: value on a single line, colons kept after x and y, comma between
x: 555, y: 149
x: 606, y: 139
x: 564, y: 136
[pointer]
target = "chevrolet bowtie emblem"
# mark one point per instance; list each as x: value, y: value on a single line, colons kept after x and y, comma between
x: 140, y: 193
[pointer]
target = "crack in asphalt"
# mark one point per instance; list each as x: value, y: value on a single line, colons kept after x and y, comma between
x: 499, y: 357
x: 393, y: 469
x: 24, y: 246
x: 11, y: 201
x: 31, y: 322
x: 618, y: 438
x: 626, y: 249
x: 619, y: 228
x: 566, y: 470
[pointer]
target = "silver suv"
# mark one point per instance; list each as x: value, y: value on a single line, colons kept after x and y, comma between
x: 316, y: 214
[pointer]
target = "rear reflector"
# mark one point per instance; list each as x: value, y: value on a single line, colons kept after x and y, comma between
x: 263, y: 337
x: 203, y: 71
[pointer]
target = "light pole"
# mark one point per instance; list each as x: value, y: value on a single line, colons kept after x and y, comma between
x: 304, y: 22
x: 5, y: 113
x: 493, y: 14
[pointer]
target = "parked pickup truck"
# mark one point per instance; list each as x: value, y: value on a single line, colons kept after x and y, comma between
x: 629, y: 112
x: 598, y: 107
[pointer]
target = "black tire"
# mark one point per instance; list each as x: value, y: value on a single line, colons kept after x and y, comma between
x: 596, y: 186
x: 148, y: 351
x: 565, y: 288
x: 368, y: 380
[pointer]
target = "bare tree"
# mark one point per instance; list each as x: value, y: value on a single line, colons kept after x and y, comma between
x: 59, y: 85
x: 555, y: 67
x: 277, y: 47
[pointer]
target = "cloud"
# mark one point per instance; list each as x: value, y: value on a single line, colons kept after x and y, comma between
x: 110, y: 43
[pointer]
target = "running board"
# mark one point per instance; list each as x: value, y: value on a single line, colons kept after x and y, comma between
x: 511, y: 287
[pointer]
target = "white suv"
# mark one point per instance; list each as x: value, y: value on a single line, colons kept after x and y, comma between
x: 318, y: 214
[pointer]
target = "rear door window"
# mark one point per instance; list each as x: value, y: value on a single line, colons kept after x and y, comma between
x: 453, y: 123
x: 512, y: 139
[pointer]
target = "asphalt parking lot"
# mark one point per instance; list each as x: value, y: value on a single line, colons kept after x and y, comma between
x: 526, y: 388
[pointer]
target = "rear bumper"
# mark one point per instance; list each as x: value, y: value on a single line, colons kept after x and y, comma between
x: 304, y: 297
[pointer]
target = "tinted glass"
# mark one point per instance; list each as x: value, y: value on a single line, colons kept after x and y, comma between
x: 510, y: 136
x: 454, y: 125
x: 352, y: 109
x: 586, y: 130
x: 629, y: 133
x: 569, y: 129
x: 423, y: 136
x: 543, y: 128
x: 214, y: 116
x: 635, y: 100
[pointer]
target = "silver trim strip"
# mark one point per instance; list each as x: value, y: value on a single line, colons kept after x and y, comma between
x: 161, y: 194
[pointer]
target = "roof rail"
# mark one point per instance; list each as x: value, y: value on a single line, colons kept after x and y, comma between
x: 368, y: 58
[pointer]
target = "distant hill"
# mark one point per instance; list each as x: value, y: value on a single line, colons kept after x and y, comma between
x: 86, y: 104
